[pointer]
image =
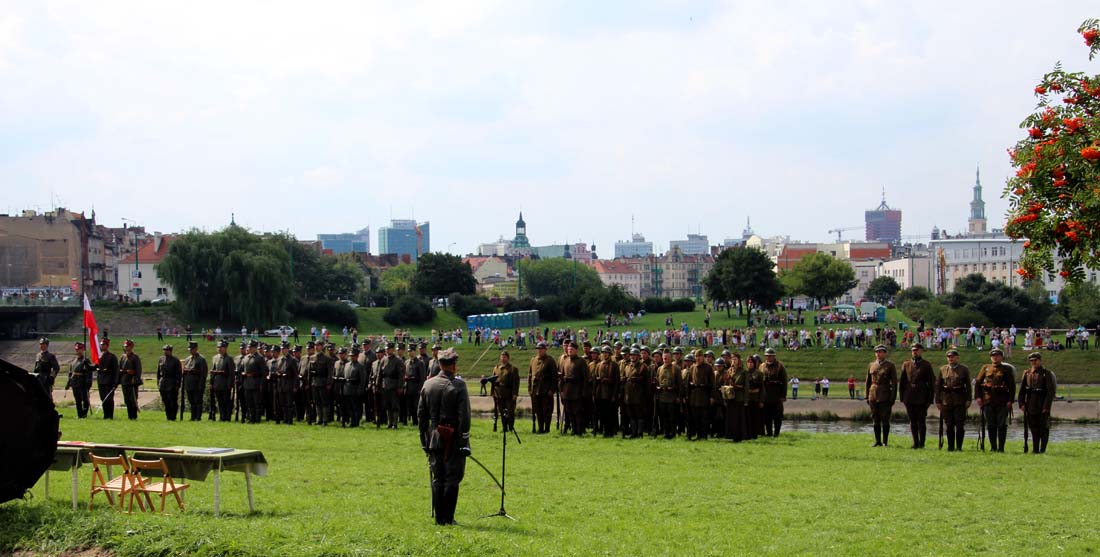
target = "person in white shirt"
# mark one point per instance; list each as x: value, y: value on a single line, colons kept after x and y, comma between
x: 794, y: 388
x: 825, y: 387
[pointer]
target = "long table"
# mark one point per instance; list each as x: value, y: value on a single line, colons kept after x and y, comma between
x: 184, y: 463
x: 196, y: 463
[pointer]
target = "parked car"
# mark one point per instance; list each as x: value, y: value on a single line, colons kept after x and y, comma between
x: 280, y: 331
x: 350, y: 303
x: 159, y: 301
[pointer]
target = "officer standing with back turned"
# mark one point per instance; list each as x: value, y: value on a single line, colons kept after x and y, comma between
x: 444, y: 420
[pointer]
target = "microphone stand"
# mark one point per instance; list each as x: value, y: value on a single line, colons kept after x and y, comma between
x: 503, y: 467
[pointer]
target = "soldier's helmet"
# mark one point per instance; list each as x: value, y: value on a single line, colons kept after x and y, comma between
x: 769, y: 352
x: 690, y: 357
x: 996, y: 352
x: 606, y: 349
x: 44, y: 340
x: 635, y: 352
x: 880, y: 348
x: 720, y: 362
x: 167, y: 348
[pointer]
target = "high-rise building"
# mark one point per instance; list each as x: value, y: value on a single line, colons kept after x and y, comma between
x: 696, y: 244
x: 348, y: 242
x: 883, y: 224
x: 977, y: 220
x: 636, y: 247
x: 404, y: 238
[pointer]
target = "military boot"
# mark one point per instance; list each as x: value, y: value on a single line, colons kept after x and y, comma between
x: 886, y: 435
x: 878, y: 436
x: 1001, y: 441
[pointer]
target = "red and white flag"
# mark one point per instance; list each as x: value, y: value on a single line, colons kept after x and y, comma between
x: 93, y: 331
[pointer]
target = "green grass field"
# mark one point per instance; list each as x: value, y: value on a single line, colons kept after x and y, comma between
x: 365, y: 492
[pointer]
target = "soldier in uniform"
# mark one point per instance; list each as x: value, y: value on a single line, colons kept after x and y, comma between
x: 606, y: 390
x: 635, y: 385
x: 390, y: 371
x: 169, y: 376
x: 649, y: 417
x: 775, y: 392
x: 222, y: 372
x: 542, y: 373
x: 506, y: 390
x: 735, y: 394
x: 320, y: 376
x: 46, y: 367
x: 375, y: 383
x: 238, y: 382
x: 444, y: 420
x: 700, y: 393
x: 366, y: 361
x: 303, y: 398
x: 1038, y: 387
x: 413, y: 378
x: 995, y: 390
x: 355, y: 380
x: 195, y: 370
x: 917, y: 386
x: 573, y: 371
x: 953, y: 396
x: 754, y: 398
x: 130, y: 370
x: 433, y: 362
x: 881, y: 388
x: 668, y: 394
x: 253, y: 370
x: 107, y: 378
x: 80, y: 380
x: 339, y: 382
x: 589, y: 417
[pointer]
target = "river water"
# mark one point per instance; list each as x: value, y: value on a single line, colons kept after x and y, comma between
x: 1058, y: 431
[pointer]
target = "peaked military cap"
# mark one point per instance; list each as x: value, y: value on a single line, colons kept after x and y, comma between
x: 880, y: 348
x: 192, y: 344
x: 996, y: 352
x: 952, y: 352
x: 223, y: 344
x: 43, y: 340
x: 167, y: 347
x: 1035, y: 356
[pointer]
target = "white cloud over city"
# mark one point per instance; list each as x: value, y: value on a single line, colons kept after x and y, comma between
x: 689, y: 116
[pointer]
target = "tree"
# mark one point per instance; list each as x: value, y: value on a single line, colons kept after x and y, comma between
x: 1080, y: 304
x: 883, y: 289
x: 821, y: 277
x: 440, y: 274
x: 1054, y: 197
x: 397, y: 280
x: 557, y: 277
x: 229, y: 275
x: 743, y: 275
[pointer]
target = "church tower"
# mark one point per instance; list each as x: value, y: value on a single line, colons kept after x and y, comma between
x: 520, y: 241
x: 977, y: 220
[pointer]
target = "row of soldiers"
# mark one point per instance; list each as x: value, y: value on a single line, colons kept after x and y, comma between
x: 111, y: 374
x: 994, y: 389
x: 613, y: 390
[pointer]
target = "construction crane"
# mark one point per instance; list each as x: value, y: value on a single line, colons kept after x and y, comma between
x: 841, y: 230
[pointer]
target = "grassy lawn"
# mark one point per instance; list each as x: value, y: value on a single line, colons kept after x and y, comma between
x: 365, y: 492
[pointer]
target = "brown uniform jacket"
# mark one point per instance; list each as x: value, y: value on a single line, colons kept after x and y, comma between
x: 542, y: 376
x: 775, y: 381
x: 917, y: 382
x: 882, y: 381
x: 635, y: 381
x: 700, y: 384
x: 507, y: 385
x: 668, y: 383
x: 606, y: 376
x: 996, y: 384
x: 953, y: 386
x: 1037, y: 389
x: 574, y: 375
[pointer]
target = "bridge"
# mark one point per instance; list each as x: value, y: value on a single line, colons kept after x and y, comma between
x: 24, y: 317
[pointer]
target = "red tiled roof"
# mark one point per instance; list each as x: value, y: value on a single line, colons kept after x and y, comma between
x: 613, y: 267
x: 148, y: 253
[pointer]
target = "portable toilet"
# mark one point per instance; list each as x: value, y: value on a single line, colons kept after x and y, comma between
x: 880, y: 314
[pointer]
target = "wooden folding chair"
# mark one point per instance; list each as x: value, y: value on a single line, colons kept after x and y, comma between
x: 121, y: 485
x: 143, y: 486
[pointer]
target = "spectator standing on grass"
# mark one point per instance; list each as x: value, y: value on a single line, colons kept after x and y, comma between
x: 825, y: 387
x: 851, y: 387
x: 817, y: 388
x: 794, y: 388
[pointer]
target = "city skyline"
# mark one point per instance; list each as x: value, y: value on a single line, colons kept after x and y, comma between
x: 689, y: 119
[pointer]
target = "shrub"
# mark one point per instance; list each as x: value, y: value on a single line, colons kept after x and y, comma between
x: 550, y: 308
x: 465, y: 305
x: 523, y: 304
x: 409, y: 310
x: 325, y: 311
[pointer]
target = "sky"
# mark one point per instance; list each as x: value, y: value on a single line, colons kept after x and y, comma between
x: 685, y: 117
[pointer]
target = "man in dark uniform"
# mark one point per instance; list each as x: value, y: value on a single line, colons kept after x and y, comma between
x: 354, y: 382
x: 389, y: 378
x: 276, y: 374
x: 320, y: 378
x: 303, y: 400
x: 1038, y: 387
x: 649, y: 417
x: 917, y: 386
x: 444, y: 419
x: 605, y: 375
x: 573, y: 371
x: 222, y: 370
x: 253, y: 370
x: 107, y: 378
x: 775, y: 392
x: 881, y: 389
x: 375, y: 386
x: 506, y: 390
x: 953, y: 397
x: 433, y: 362
x: 130, y: 369
x: 46, y: 367
x: 287, y: 385
x: 668, y: 394
x: 80, y: 380
x: 995, y: 391
x: 195, y: 370
x: 635, y: 382
x: 542, y: 375
x: 169, y: 375
x: 339, y: 381
x: 700, y: 393
x: 413, y: 378
x: 238, y: 382
x: 366, y: 361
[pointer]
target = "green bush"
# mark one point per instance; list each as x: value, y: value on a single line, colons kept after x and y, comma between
x: 550, y: 308
x: 464, y: 305
x: 409, y: 310
x: 325, y: 311
x: 525, y: 303
x: 666, y: 305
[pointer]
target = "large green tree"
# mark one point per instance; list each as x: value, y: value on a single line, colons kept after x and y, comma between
x: 397, y: 280
x: 820, y: 276
x: 557, y: 277
x: 743, y: 275
x: 1080, y: 304
x: 230, y: 275
x: 316, y: 276
x: 1055, y: 194
x: 883, y: 289
x: 441, y: 274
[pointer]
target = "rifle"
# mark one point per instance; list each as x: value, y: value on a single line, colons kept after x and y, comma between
x: 183, y: 396
x: 557, y: 400
x: 1026, y: 420
x: 941, y: 430
x: 533, y: 426
x: 431, y: 485
x: 981, y: 432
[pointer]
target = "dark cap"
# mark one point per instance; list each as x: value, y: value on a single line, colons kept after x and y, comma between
x: 355, y: 349
x: 618, y: 344
x: 167, y: 347
x: 644, y: 348
x: 769, y: 352
x: 106, y: 341
x: 297, y: 348
x: 541, y: 345
x: 311, y: 344
x: 390, y: 345
x: 223, y: 343
x: 43, y: 340
x: 1035, y: 356
x: 952, y: 352
x: 606, y: 349
x: 880, y: 348
x: 342, y: 350
x: 330, y: 346
x: 447, y: 356
x: 192, y: 344
x: 916, y: 346
x: 244, y: 344
x: 128, y: 342
x: 380, y: 350
x: 253, y: 344
x: 366, y: 342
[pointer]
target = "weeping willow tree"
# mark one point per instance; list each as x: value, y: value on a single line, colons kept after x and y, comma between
x: 231, y: 275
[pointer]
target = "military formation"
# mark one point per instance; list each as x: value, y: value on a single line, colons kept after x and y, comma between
x: 607, y: 389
